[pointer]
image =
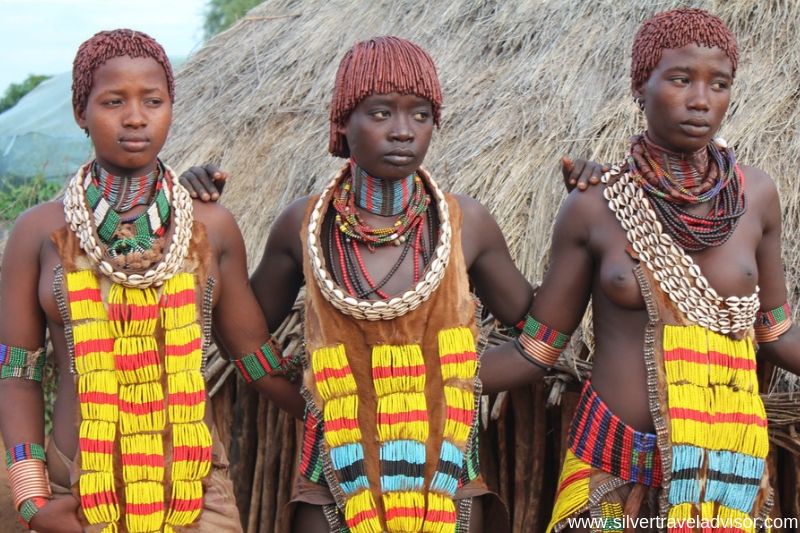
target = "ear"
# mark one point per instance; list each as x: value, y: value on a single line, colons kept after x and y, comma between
x: 638, y: 91
x: 80, y: 118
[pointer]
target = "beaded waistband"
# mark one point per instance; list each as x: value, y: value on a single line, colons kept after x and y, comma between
x: 600, y: 438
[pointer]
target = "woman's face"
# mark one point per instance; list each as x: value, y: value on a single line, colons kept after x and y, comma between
x: 389, y: 134
x: 686, y: 97
x: 128, y: 114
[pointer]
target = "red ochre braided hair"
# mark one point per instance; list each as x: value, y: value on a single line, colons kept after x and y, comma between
x: 380, y: 65
x: 676, y: 29
x: 106, y: 45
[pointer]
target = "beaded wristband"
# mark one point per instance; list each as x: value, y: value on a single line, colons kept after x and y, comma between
x: 540, y: 342
x: 267, y: 361
x: 21, y: 363
x: 772, y: 324
x: 23, y: 451
x: 29, y: 508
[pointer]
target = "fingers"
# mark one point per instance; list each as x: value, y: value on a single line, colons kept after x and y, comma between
x: 567, y: 168
x: 587, y: 173
x: 199, y: 181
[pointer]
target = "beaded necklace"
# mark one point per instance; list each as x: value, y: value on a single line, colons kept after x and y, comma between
x: 381, y: 197
x: 126, y: 237
x: 122, y: 192
x: 350, y: 223
x: 671, y: 184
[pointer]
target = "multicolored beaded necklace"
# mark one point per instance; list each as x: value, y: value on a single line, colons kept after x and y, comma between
x: 347, y: 232
x: 124, y: 192
x: 137, y: 235
x: 672, y: 182
x: 349, y: 221
x: 381, y: 197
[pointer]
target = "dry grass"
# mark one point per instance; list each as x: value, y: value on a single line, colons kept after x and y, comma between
x: 525, y: 82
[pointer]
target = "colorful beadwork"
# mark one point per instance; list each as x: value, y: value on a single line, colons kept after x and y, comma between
x: 772, y: 324
x: 23, y: 451
x: 29, y: 508
x: 381, y: 197
x: 21, y: 363
x: 539, y: 343
x: 398, y: 375
x: 267, y: 361
x: 121, y: 392
x: 717, y: 423
x: 337, y: 388
x: 573, y: 489
x: 600, y: 438
x: 122, y: 192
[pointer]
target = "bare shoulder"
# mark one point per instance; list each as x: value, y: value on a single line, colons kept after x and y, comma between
x: 290, y: 220
x: 759, y: 186
x: 472, y: 211
x: 36, y: 224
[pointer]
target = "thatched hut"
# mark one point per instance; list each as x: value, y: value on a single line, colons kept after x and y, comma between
x: 524, y: 83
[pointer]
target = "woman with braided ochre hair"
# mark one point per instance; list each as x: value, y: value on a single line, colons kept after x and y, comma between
x: 388, y: 259
x: 680, y: 252
x: 128, y: 277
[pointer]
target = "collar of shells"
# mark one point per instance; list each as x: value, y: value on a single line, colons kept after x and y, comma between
x: 82, y: 221
x: 675, y: 271
x: 378, y: 309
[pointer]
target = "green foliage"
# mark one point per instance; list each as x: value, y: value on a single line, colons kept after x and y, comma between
x: 16, y: 196
x: 16, y: 91
x: 220, y: 14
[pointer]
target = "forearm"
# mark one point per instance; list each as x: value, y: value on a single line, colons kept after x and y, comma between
x: 504, y: 367
x: 783, y: 352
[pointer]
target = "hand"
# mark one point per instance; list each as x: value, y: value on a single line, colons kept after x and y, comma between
x: 581, y: 173
x: 60, y: 515
x: 204, y: 182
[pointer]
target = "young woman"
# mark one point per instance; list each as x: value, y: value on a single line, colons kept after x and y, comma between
x: 128, y: 277
x: 680, y: 254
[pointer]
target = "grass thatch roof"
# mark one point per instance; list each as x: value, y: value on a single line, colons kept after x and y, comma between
x: 524, y: 82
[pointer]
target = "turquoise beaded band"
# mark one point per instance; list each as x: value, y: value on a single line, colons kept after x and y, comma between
x: 21, y: 363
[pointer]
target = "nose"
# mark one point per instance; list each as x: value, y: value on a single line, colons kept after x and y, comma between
x: 699, y: 96
x: 401, y: 128
x: 135, y: 116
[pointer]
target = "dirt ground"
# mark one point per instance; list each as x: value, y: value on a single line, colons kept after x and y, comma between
x: 8, y: 517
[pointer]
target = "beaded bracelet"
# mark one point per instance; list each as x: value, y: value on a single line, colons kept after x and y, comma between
x: 21, y: 363
x: 772, y: 324
x: 29, y: 508
x: 23, y: 451
x: 540, y: 342
x: 267, y: 361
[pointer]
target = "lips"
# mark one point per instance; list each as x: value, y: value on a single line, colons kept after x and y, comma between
x: 133, y: 144
x: 695, y: 127
x: 400, y: 157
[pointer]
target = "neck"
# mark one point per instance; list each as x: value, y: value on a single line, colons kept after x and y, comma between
x: 125, y: 192
x: 381, y: 197
x: 691, y: 167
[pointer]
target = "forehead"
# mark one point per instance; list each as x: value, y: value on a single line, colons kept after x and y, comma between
x: 696, y: 57
x: 126, y: 71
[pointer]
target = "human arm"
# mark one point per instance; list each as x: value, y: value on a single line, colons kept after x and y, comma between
x: 560, y: 300
x: 785, y: 351
x: 23, y: 327
x: 204, y: 182
x: 279, y: 276
x: 239, y: 324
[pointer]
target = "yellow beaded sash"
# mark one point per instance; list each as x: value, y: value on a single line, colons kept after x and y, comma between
x: 123, y: 402
x: 398, y: 378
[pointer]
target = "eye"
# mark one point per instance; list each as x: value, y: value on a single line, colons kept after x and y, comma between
x: 379, y: 113
x: 680, y: 80
x: 422, y: 116
x: 154, y: 102
x: 112, y: 102
x: 720, y: 85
